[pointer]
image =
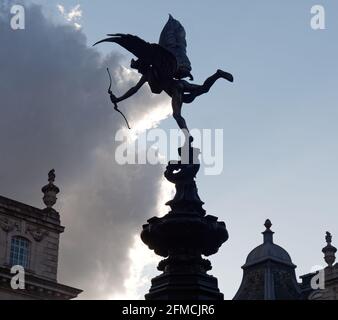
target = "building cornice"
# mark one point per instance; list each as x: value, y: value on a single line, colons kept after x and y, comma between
x: 38, y: 288
x: 46, y: 218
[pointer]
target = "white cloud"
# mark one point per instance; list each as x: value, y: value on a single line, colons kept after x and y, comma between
x: 77, y: 26
x: 141, y: 259
x: 73, y: 16
x: 138, y: 282
x: 61, y: 9
x: 74, y: 13
x: 63, y: 119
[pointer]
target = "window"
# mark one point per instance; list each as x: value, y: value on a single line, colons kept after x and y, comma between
x: 20, y: 252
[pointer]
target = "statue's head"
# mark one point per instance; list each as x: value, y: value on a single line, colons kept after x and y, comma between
x: 138, y: 65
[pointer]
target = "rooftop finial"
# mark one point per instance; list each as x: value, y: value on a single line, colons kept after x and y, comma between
x: 50, y: 190
x: 329, y: 251
x: 268, y: 234
x: 328, y: 237
x: 51, y: 176
x: 267, y: 224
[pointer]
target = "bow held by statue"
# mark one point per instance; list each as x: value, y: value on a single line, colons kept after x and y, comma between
x: 114, y: 99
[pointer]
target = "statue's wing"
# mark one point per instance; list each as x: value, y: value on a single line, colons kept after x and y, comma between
x: 133, y: 44
x: 173, y: 38
x: 151, y: 53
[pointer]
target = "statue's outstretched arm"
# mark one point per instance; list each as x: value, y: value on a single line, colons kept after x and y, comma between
x: 130, y: 92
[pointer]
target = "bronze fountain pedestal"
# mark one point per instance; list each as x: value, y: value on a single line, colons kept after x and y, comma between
x: 182, y: 237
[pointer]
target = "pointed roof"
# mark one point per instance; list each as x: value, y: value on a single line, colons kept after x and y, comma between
x: 268, y: 250
x: 268, y: 273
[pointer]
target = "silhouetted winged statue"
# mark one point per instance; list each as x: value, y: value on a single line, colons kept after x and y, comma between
x: 164, y: 66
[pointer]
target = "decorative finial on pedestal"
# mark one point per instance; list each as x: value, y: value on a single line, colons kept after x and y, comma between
x: 50, y: 190
x: 183, y: 174
x: 329, y: 251
x: 268, y: 234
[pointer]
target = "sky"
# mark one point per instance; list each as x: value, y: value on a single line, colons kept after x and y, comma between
x: 279, y: 119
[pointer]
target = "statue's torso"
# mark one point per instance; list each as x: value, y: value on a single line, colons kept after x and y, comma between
x: 157, y: 81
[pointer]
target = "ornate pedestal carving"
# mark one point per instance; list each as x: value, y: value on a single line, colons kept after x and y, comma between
x: 182, y: 237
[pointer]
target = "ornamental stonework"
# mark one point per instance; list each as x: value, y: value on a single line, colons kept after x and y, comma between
x: 8, y: 225
x: 37, y: 233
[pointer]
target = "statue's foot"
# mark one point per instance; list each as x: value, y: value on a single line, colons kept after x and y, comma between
x: 225, y: 75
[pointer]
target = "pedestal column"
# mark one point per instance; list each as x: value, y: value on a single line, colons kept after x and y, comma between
x: 182, y: 237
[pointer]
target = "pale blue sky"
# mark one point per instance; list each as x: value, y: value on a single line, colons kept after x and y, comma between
x: 279, y: 117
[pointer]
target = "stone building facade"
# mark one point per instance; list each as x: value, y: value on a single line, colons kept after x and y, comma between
x: 29, y: 238
x: 323, y: 284
x: 269, y: 274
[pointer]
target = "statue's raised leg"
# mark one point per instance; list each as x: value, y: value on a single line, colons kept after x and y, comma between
x: 196, y: 90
